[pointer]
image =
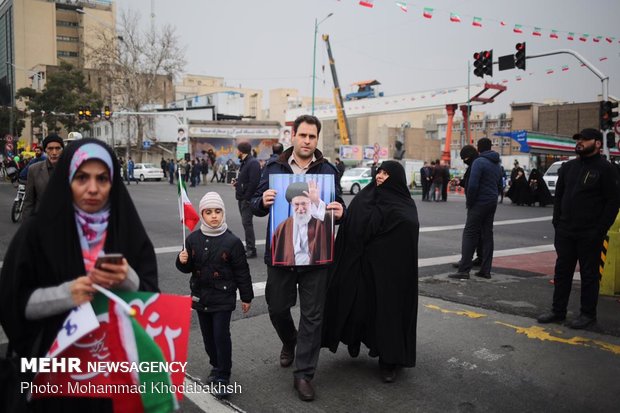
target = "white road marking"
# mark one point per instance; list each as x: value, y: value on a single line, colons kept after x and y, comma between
x: 496, y: 223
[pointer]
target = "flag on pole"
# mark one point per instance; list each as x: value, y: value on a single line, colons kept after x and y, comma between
x: 402, y: 5
x: 584, y: 37
x: 477, y: 22
x: 188, y: 214
x: 518, y: 29
x: 135, y: 328
x: 537, y: 31
x: 554, y: 34
x: 455, y: 18
x: 367, y: 3
x: 571, y: 36
x: 428, y: 12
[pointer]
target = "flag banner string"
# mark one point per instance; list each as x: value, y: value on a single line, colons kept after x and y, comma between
x: 477, y: 21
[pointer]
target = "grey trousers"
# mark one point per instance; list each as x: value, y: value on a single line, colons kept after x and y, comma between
x: 281, y: 295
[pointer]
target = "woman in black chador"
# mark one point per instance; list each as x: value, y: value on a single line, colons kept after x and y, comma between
x: 373, y: 292
x: 49, y: 267
x: 538, y: 189
x: 519, y: 191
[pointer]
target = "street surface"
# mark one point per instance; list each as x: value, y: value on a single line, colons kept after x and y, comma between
x: 479, y: 347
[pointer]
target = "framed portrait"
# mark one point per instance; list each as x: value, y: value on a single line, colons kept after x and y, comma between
x: 302, y: 229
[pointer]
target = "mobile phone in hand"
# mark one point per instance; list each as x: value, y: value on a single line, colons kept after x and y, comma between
x: 116, y: 259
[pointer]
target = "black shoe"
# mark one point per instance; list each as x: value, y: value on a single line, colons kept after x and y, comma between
x: 459, y: 276
x: 581, y: 322
x: 354, y: 350
x: 477, y: 262
x: 388, y: 372
x: 550, y: 317
x: 250, y: 254
x: 287, y: 355
x: 220, y: 389
x: 304, y: 389
x: 482, y: 275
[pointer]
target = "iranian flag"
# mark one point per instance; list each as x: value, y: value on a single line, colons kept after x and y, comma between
x: 428, y: 12
x: 537, y: 31
x: 477, y: 22
x: 550, y: 71
x: 602, y: 59
x: 136, y: 331
x: 597, y: 39
x: 609, y: 39
x: 188, y: 214
x: 402, y: 5
x: 565, y: 68
x: 455, y: 18
x: 554, y: 34
x: 571, y: 36
x: 367, y: 3
x: 584, y: 37
x: 518, y: 29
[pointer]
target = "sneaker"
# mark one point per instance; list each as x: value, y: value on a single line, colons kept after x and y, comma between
x: 550, y: 317
x: 581, y: 322
x: 459, y: 276
x: 482, y: 275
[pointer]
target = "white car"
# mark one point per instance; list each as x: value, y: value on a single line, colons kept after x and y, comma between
x: 353, y: 180
x: 144, y: 171
x: 551, y: 176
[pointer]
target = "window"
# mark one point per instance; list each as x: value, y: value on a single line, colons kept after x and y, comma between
x: 64, y: 53
x: 65, y: 23
x: 67, y: 39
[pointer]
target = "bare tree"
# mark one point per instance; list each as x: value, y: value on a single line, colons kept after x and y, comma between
x: 135, y: 60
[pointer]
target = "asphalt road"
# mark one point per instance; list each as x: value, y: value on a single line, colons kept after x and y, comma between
x: 479, y: 348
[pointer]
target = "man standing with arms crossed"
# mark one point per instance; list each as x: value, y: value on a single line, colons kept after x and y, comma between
x: 311, y: 280
x: 586, y: 204
x: 39, y: 174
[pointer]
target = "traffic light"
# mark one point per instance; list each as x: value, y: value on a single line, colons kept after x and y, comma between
x: 483, y: 63
x: 80, y: 113
x: 87, y: 113
x: 607, y: 114
x: 611, y: 140
x: 520, y: 56
x: 487, y: 60
x: 478, y: 65
x: 107, y: 114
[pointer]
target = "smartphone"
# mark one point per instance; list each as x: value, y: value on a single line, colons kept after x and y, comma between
x: 109, y: 259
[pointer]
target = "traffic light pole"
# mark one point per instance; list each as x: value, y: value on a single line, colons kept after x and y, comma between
x: 604, y: 79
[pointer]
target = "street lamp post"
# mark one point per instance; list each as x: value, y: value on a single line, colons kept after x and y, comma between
x: 316, y: 29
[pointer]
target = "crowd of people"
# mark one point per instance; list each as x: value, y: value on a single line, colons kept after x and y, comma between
x: 365, y: 293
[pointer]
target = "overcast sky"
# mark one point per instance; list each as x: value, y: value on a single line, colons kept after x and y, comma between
x: 268, y: 44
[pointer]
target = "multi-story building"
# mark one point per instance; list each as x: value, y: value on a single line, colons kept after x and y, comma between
x: 199, y: 85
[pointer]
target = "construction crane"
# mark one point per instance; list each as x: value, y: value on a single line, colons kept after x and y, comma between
x: 343, y: 124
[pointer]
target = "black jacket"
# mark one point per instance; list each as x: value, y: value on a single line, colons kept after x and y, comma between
x: 281, y: 166
x: 587, y: 195
x: 219, y: 267
x: 249, y: 175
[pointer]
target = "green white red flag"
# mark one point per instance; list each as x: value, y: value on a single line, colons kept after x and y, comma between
x: 554, y: 34
x: 518, y: 29
x: 402, y: 5
x: 428, y: 12
x: 477, y: 22
x: 150, y: 333
x: 188, y: 214
x: 367, y: 3
x: 455, y: 18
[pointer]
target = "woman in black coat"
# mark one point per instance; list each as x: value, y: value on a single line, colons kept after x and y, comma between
x: 538, y: 189
x: 519, y: 191
x: 373, y: 293
x: 48, y: 269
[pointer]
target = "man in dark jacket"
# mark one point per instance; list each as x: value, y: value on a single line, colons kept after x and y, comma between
x: 282, y: 282
x: 39, y: 174
x: 587, y: 198
x: 249, y: 175
x: 481, y: 200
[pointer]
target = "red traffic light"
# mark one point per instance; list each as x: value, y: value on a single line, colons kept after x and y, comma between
x: 519, y: 46
x: 487, y: 54
x: 477, y: 55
